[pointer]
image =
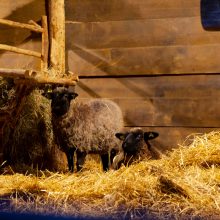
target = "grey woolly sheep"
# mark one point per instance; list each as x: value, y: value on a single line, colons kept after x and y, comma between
x: 135, y: 147
x: 85, y: 127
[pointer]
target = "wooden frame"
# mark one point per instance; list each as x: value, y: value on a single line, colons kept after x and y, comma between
x: 41, y: 77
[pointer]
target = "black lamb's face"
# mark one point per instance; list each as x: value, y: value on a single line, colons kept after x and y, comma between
x: 134, y: 140
x: 60, y: 101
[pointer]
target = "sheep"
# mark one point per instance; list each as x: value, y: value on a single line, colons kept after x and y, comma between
x: 135, y: 147
x: 85, y: 127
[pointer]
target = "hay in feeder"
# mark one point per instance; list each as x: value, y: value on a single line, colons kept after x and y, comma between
x: 30, y: 143
x: 177, y: 186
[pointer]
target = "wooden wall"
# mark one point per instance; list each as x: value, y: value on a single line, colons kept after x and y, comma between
x: 152, y: 57
x: 21, y: 11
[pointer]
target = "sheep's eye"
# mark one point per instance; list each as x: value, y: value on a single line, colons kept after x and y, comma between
x: 138, y: 137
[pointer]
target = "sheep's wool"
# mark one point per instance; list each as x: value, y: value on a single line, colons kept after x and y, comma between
x: 89, y: 127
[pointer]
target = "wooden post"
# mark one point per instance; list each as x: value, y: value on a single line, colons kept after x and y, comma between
x: 57, y: 36
x: 45, y: 44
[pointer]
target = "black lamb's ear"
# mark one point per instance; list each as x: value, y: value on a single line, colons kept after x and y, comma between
x: 48, y: 95
x: 150, y: 135
x: 72, y: 95
x: 120, y: 136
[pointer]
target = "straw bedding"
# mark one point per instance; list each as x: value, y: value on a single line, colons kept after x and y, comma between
x: 182, y: 185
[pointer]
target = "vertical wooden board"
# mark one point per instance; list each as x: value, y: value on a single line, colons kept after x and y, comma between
x: 100, y: 10
x: 57, y: 37
x: 139, y: 33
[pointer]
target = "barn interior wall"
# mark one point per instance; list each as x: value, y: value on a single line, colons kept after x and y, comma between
x: 152, y: 57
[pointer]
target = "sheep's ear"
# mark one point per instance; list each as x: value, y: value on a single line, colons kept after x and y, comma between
x: 150, y: 135
x: 72, y: 95
x: 48, y: 95
x: 120, y: 136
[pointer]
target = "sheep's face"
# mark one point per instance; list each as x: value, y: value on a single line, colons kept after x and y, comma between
x: 134, y: 139
x: 60, y: 101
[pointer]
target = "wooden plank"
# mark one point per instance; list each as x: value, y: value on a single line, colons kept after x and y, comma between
x: 22, y: 10
x: 34, y: 77
x: 192, y: 112
x: 203, y: 86
x: 172, y: 137
x: 12, y: 36
x: 170, y: 112
x: 139, y: 33
x: 146, y: 60
x: 189, y: 101
x: 19, y: 61
x: 100, y: 10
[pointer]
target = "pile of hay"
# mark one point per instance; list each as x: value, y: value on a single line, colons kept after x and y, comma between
x: 185, y: 184
x: 30, y: 144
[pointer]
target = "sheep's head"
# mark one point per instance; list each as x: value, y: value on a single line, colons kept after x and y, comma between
x: 134, y: 139
x: 61, y: 99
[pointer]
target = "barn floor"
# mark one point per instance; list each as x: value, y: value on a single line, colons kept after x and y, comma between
x: 183, y: 185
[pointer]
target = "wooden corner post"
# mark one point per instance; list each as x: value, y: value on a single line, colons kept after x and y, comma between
x: 57, y: 36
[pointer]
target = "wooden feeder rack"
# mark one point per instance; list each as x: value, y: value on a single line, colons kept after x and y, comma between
x: 33, y: 77
x: 52, y: 71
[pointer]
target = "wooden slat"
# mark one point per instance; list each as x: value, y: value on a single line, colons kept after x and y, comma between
x: 202, y: 86
x: 188, y: 101
x: 21, y: 25
x: 192, y: 112
x: 146, y: 60
x: 100, y: 10
x: 139, y: 33
x: 20, y: 50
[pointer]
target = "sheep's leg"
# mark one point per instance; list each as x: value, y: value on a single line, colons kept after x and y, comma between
x: 118, y: 160
x: 112, y: 155
x: 70, y: 154
x: 105, y: 161
x: 80, y: 160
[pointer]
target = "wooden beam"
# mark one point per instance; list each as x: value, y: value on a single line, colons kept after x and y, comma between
x: 21, y: 25
x: 35, y: 77
x: 12, y: 72
x: 19, y: 50
x: 45, y: 44
x: 57, y: 36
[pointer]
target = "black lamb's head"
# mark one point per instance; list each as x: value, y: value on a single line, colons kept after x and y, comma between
x: 133, y: 140
x: 61, y: 99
